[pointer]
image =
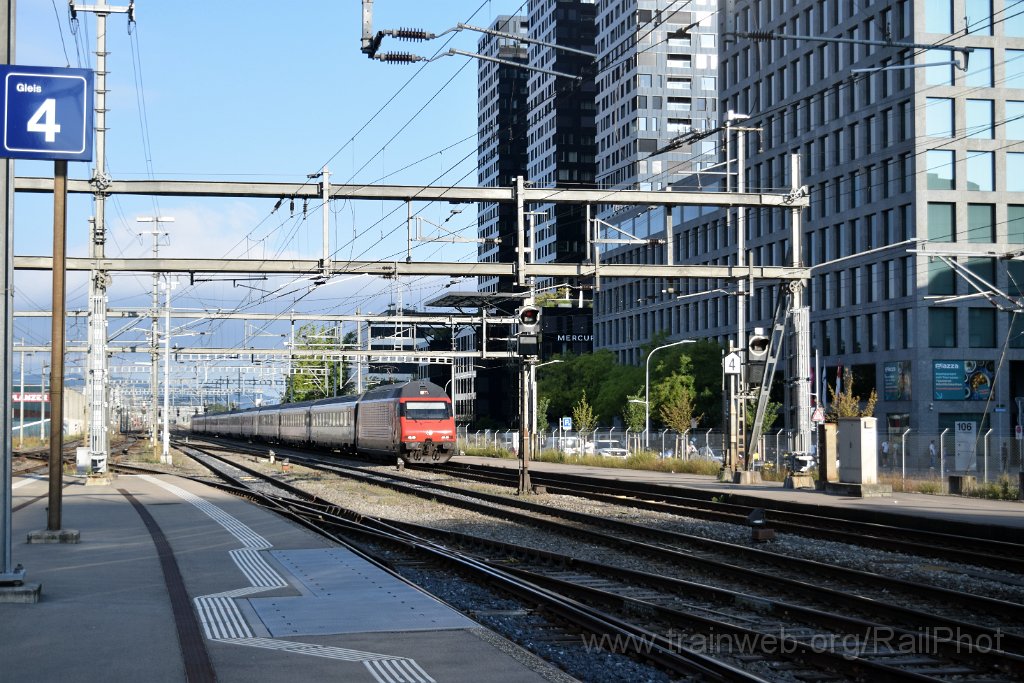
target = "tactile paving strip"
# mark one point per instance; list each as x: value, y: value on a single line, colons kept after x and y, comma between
x: 347, y: 594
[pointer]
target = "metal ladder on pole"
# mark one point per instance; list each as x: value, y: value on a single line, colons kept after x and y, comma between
x: 782, y: 311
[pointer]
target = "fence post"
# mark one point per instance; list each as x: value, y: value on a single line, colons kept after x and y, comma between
x: 986, y: 453
x: 777, y: 463
x: 903, y: 448
x: 942, y: 459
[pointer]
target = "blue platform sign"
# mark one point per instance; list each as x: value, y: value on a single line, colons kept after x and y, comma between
x: 47, y: 113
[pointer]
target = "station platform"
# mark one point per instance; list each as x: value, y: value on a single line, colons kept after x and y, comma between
x: 996, y: 519
x: 173, y: 581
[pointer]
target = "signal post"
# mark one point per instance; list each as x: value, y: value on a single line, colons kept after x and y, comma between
x: 528, y: 339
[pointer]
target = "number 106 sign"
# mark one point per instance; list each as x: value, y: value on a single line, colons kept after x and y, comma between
x: 47, y: 113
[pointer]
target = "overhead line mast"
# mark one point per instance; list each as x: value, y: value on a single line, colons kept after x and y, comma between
x: 96, y: 379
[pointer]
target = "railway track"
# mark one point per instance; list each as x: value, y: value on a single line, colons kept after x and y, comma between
x: 739, y: 593
x: 818, y: 524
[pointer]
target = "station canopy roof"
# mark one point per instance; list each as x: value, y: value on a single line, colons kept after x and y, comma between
x: 464, y: 300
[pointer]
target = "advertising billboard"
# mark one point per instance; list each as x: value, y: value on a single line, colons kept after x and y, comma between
x: 962, y: 380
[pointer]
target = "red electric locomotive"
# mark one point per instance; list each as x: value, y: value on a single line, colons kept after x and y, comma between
x: 411, y: 421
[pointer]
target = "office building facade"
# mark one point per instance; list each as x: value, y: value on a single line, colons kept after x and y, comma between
x: 916, y: 185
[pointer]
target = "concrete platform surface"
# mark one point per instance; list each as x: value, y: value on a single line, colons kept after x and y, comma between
x: 270, y: 601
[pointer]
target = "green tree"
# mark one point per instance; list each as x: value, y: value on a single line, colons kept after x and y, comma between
x: 701, y: 362
x: 706, y: 367
x: 633, y: 414
x: 597, y: 374
x: 677, y: 410
x: 543, y: 403
x: 846, y: 404
x: 583, y: 417
x: 771, y: 414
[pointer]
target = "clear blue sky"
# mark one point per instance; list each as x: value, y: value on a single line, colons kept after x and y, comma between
x: 259, y: 91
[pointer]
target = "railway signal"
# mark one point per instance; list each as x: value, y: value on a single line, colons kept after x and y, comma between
x: 757, y: 355
x: 529, y: 330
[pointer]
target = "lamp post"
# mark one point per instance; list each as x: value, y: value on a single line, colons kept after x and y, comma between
x: 647, y: 388
x: 165, y: 455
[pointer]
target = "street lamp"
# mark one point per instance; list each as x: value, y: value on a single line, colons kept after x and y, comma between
x: 647, y: 388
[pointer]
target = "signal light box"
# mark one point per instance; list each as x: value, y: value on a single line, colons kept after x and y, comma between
x: 47, y: 113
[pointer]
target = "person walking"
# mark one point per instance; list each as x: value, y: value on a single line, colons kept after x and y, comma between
x: 1004, y: 456
x: 885, y: 453
x: 932, y: 454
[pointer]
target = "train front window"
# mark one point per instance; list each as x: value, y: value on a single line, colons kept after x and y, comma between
x: 425, y: 410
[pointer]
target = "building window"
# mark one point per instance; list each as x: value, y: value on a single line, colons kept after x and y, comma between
x: 1014, y: 67
x: 1016, y: 330
x: 1015, y: 224
x: 1013, y: 129
x: 981, y: 328
x: 679, y: 126
x: 941, y: 169
x: 1015, y: 171
x: 1015, y: 279
x: 942, y: 328
x: 941, y: 71
x: 984, y: 268
x: 980, y: 171
x: 1013, y: 24
x: 981, y: 224
x: 939, y: 117
x: 979, y: 119
x: 979, y: 16
x: 979, y: 69
x: 941, y: 222
x: 938, y: 16
x: 941, y: 279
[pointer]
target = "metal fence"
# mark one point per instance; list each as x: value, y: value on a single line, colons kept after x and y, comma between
x: 915, y: 454
x: 909, y: 452
x: 666, y: 443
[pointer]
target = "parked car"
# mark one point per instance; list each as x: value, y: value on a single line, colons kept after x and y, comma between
x: 609, y: 447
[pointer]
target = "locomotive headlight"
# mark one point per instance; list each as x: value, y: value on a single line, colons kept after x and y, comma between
x: 411, y: 437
